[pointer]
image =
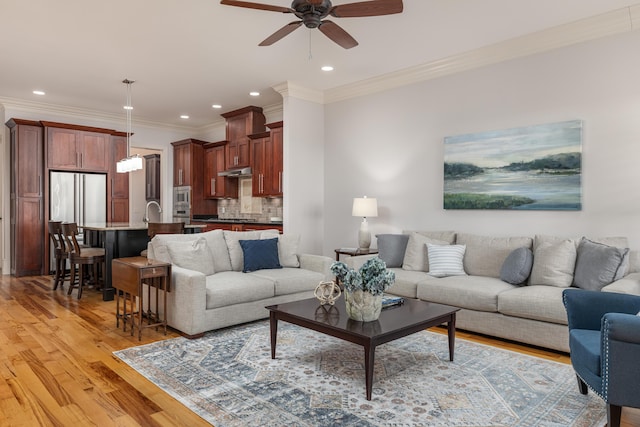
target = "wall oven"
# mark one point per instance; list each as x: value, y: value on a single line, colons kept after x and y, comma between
x: 182, y: 204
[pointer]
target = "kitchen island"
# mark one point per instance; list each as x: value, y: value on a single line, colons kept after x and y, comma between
x: 120, y: 240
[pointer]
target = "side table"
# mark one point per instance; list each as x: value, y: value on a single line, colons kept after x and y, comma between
x: 354, y: 252
x: 129, y: 274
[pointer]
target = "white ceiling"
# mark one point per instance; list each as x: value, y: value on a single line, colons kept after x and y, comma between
x: 187, y: 55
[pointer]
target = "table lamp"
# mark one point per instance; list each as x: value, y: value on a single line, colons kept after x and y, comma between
x: 364, y: 207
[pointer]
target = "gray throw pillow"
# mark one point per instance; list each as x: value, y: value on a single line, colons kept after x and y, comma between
x: 597, y: 264
x: 391, y: 248
x: 517, y: 266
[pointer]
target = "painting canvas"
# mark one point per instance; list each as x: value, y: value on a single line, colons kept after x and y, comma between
x: 528, y: 168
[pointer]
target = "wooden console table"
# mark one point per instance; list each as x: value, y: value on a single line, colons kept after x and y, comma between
x: 129, y: 274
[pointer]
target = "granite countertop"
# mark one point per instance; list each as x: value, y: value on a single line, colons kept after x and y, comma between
x: 104, y: 226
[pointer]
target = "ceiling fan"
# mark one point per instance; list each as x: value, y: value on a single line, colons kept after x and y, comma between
x: 312, y: 13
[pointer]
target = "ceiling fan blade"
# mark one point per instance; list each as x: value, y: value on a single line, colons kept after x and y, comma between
x: 367, y: 8
x: 284, y: 31
x: 259, y: 6
x: 337, y: 34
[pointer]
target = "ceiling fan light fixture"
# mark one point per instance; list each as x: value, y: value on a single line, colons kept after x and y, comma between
x: 311, y: 13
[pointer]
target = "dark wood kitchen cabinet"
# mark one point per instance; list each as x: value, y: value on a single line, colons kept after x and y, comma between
x: 39, y: 148
x: 26, y: 197
x: 217, y: 187
x: 267, y: 162
x: 188, y: 169
x: 118, y: 185
x: 152, y: 177
x: 76, y: 149
x: 239, y: 125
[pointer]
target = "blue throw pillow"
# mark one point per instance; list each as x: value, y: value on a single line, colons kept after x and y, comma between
x: 517, y: 266
x: 260, y: 254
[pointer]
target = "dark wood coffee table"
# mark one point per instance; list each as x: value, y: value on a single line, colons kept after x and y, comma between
x: 394, y: 322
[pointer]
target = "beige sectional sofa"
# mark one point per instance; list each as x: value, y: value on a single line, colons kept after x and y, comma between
x: 531, y: 312
x: 209, y: 289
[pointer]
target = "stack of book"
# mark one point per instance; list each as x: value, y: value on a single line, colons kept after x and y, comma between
x: 390, y: 300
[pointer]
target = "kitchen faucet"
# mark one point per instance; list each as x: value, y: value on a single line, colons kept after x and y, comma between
x: 146, y: 210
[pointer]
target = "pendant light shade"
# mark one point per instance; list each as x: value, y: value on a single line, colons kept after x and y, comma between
x: 129, y: 163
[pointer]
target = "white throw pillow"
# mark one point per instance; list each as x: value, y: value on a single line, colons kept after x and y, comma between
x: 554, y: 263
x: 288, y: 250
x: 415, y: 256
x: 193, y: 255
x: 446, y: 260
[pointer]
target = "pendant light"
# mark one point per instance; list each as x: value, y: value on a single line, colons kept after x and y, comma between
x: 129, y: 163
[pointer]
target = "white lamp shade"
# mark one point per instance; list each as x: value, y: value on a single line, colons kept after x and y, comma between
x: 365, y: 207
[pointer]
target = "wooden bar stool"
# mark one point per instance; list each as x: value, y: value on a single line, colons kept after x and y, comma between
x: 60, y: 253
x: 81, y: 257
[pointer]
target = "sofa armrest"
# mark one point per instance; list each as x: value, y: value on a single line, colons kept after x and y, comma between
x: 358, y: 261
x: 621, y: 352
x: 187, y: 300
x: 585, y: 309
x: 629, y: 284
x: 317, y: 263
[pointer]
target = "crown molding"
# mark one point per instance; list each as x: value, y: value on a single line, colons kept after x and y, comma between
x: 296, y: 91
x: 31, y: 107
x: 607, y: 24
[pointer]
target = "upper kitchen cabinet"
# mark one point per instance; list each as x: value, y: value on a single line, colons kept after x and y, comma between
x: 188, y: 170
x: 76, y: 148
x: 267, y: 162
x: 152, y: 177
x: 240, y: 124
x: 217, y: 187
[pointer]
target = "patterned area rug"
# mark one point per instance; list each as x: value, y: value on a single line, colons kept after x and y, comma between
x: 229, y: 379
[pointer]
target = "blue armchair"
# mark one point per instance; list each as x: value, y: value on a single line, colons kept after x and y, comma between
x: 604, y: 340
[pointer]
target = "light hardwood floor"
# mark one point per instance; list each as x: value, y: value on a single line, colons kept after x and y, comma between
x: 57, y: 367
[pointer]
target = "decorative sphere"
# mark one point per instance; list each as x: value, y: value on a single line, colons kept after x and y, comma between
x: 327, y: 292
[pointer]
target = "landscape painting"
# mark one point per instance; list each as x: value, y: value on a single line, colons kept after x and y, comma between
x: 528, y: 168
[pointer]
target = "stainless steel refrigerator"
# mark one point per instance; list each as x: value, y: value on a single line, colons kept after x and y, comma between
x: 78, y: 197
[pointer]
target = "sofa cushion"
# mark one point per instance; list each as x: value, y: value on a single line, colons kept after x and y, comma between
x: 259, y: 254
x: 415, y: 256
x: 517, y: 266
x: 219, y: 251
x: 232, y: 287
x: 291, y: 280
x: 534, y: 302
x: 158, y: 245
x: 232, y: 238
x: 406, y: 282
x: 288, y: 250
x: 443, y: 236
x: 553, y: 264
x: 472, y: 292
x: 597, y: 264
x: 485, y: 255
x: 446, y: 260
x: 192, y: 255
x: 585, y: 349
x: 391, y: 248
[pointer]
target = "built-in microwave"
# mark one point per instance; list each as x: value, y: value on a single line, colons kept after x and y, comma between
x: 182, y: 197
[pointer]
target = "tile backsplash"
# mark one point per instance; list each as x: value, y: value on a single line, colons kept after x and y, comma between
x: 231, y: 209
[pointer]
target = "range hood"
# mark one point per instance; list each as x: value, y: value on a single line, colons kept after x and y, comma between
x: 237, y: 173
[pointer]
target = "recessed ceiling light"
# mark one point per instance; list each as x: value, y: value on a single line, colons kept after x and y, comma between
x: 254, y: 93
x: 216, y: 106
x: 38, y: 92
x: 184, y: 116
x: 128, y: 107
x: 327, y: 68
